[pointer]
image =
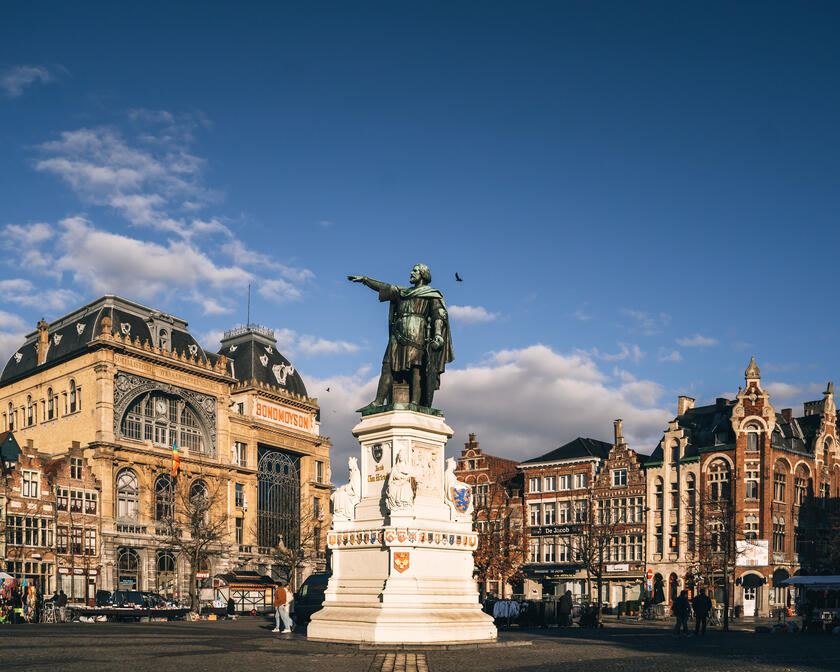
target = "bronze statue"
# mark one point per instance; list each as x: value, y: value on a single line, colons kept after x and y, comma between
x: 419, y: 342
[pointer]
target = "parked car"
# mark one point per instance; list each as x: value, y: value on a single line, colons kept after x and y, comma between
x: 310, y: 597
x: 103, y: 598
x: 128, y: 598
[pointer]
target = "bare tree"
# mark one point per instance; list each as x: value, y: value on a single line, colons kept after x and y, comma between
x: 303, y: 548
x: 198, y: 526
x: 602, y: 524
x: 501, y: 543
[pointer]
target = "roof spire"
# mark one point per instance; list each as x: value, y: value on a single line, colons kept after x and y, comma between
x: 752, y: 372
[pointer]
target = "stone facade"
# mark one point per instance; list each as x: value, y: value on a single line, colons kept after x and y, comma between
x: 117, y: 384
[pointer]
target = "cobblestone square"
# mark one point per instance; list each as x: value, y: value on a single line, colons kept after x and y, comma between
x: 249, y: 644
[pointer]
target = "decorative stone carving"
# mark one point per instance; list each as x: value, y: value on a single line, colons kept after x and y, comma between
x: 426, y: 469
x: 57, y: 338
x: 346, y: 497
x: 282, y: 371
x: 18, y: 357
x: 128, y: 387
x: 80, y: 327
x: 264, y: 360
x: 458, y: 493
x: 399, y: 494
x: 125, y: 328
x: 193, y: 349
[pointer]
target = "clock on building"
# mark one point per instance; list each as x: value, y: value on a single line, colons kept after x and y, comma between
x: 160, y: 406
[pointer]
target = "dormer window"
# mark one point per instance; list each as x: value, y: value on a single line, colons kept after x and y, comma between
x: 164, y: 341
x: 675, y: 452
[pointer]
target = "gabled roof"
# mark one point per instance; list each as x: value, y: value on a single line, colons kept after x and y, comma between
x: 576, y: 449
x: 9, y: 448
x: 252, y: 354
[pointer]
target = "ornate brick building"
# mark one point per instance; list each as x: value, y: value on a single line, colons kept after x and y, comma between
x: 497, y: 493
x: 772, y: 473
x: 116, y: 384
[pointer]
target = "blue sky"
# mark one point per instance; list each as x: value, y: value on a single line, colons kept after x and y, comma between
x: 639, y: 196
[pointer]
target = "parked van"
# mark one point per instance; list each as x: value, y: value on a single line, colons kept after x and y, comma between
x: 310, y: 597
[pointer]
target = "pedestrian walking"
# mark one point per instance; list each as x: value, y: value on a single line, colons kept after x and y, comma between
x: 281, y: 608
x: 564, y: 609
x: 61, y: 603
x: 702, y: 606
x: 682, y: 610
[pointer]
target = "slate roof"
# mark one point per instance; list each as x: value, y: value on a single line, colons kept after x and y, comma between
x: 579, y: 448
x: 9, y: 448
x: 251, y: 351
x: 252, y: 354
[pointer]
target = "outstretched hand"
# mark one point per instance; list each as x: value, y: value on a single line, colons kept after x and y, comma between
x: 356, y: 278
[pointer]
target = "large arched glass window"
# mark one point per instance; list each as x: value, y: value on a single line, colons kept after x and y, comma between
x: 128, y: 496
x: 128, y: 569
x: 719, y: 481
x: 164, y: 498
x: 198, y: 490
x: 164, y: 420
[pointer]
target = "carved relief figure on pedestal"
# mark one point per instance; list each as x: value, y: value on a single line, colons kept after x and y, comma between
x: 400, y: 492
x: 346, y: 497
x: 458, y: 493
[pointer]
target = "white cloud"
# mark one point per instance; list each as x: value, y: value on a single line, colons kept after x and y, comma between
x: 13, y: 330
x: 626, y: 351
x: 213, y: 307
x: 15, y: 79
x: 647, y: 323
x: 582, y: 316
x: 291, y: 344
x: 697, y: 341
x: 104, y: 168
x: 522, y: 403
x: 471, y: 314
x: 211, y: 340
x: 669, y: 355
x: 108, y: 262
x: 23, y: 292
x: 783, y: 391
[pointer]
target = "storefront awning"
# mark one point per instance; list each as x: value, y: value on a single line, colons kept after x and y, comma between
x: 813, y: 582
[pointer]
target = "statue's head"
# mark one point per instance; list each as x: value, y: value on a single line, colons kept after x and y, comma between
x: 420, y: 275
x: 353, y: 463
x: 450, y: 464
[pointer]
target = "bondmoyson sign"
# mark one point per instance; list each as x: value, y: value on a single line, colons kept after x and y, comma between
x: 280, y: 415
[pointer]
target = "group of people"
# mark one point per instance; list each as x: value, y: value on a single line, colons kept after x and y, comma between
x: 701, y: 605
x: 20, y: 601
x: 283, y: 598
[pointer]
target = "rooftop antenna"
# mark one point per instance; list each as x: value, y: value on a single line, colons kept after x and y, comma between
x: 248, y: 323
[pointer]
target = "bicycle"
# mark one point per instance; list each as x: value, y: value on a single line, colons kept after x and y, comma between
x: 49, y: 614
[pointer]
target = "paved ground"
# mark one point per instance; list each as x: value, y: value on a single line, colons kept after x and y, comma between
x: 248, y: 644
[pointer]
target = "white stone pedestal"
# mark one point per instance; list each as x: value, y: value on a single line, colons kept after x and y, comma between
x: 403, y: 576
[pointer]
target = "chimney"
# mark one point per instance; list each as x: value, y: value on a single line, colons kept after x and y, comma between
x: 43, y: 340
x: 75, y: 445
x: 619, y: 438
x: 787, y: 414
x: 472, y: 444
x: 684, y: 403
x: 30, y: 443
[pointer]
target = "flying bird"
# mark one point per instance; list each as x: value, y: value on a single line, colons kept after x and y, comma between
x: 328, y: 389
x: 458, y: 277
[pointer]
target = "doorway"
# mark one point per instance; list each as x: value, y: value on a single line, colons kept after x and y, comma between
x: 749, y: 601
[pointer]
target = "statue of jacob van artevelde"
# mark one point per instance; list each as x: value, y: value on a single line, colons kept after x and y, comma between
x: 419, y: 340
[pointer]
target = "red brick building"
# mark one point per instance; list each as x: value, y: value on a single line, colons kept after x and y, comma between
x: 497, y: 497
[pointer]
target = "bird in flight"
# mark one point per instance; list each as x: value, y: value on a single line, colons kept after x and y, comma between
x: 458, y: 277
x: 328, y: 389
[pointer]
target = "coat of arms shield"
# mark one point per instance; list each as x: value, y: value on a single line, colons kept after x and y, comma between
x: 401, y: 560
x: 461, y: 498
x: 376, y: 452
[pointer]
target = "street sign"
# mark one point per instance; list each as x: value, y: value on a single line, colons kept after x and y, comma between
x: 650, y: 574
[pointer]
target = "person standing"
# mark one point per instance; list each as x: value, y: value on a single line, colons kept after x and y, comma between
x: 61, y: 603
x: 702, y: 605
x: 564, y: 608
x: 281, y: 609
x: 682, y: 610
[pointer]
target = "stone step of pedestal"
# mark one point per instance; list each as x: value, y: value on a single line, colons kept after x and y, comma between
x: 399, y: 662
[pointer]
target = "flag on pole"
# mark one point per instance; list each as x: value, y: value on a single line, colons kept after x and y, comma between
x: 176, y: 459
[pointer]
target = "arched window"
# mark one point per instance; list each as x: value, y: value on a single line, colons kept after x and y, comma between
x: 675, y: 452
x: 752, y: 441
x: 163, y: 339
x: 128, y: 569
x: 198, y: 490
x: 73, y: 395
x: 691, y: 489
x: 780, y: 470
x: 30, y: 412
x: 128, y: 495
x: 166, y: 574
x: 659, y: 494
x: 826, y: 449
x: 164, y: 498
x: 800, y: 484
x: 163, y: 419
x: 718, y: 479
x: 50, y: 404
x: 11, y: 417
